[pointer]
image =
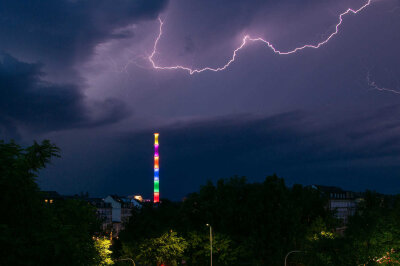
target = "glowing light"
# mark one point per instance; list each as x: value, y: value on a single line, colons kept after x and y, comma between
x: 156, y: 170
x: 246, y: 39
x: 138, y: 197
x: 156, y: 197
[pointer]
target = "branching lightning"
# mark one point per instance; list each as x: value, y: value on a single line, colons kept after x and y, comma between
x: 247, y: 39
x: 374, y: 86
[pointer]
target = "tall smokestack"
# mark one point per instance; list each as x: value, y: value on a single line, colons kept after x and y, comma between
x: 156, y: 170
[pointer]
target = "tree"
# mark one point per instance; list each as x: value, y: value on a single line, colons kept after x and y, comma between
x: 22, y: 226
x: 150, y: 221
x: 263, y: 220
x: 255, y: 223
x: 371, y: 238
x: 33, y: 232
x: 322, y: 245
x: 71, y: 232
x: 103, y: 248
x: 374, y: 232
x: 198, y: 251
x: 167, y: 249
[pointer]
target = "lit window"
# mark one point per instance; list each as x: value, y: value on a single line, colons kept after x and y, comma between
x: 51, y: 201
x: 46, y: 200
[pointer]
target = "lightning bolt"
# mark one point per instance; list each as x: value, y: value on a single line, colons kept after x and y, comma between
x: 247, y: 39
x: 374, y: 86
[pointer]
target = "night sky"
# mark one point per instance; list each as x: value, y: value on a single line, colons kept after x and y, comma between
x: 77, y: 72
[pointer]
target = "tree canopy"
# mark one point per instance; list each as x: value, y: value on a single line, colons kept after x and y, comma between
x: 253, y: 223
x: 33, y: 232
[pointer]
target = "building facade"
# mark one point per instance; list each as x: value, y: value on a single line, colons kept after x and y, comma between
x: 113, y: 211
x: 342, y: 203
x: 104, y: 213
x: 121, y: 211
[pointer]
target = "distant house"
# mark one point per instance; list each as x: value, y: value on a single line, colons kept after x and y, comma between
x: 121, y: 210
x: 50, y: 196
x: 343, y: 203
x: 113, y: 211
x: 104, y: 212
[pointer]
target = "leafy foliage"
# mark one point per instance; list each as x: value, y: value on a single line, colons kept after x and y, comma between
x: 103, y: 248
x: 372, y: 236
x: 33, y: 232
x: 254, y: 224
x: 166, y: 249
x: 198, y: 251
x: 375, y: 230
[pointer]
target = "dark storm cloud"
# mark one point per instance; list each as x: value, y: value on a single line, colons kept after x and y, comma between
x: 291, y: 138
x: 27, y: 100
x: 347, y: 136
x: 59, y: 34
x: 67, y: 30
x: 287, y: 24
x: 8, y: 129
x: 293, y: 144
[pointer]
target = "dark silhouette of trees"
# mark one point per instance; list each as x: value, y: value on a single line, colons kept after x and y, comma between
x: 35, y: 232
x: 254, y: 224
x: 372, y: 236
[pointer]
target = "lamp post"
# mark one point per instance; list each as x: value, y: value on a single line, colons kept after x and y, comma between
x: 127, y: 259
x: 290, y: 252
x: 210, y: 242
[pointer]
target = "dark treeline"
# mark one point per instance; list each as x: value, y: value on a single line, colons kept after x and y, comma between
x: 252, y: 224
x: 258, y: 224
x: 33, y: 232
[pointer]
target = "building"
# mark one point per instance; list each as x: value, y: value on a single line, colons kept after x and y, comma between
x: 104, y: 213
x: 50, y: 196
x: 113, y: 211
x: 342, y: 203
x: 121, y: 210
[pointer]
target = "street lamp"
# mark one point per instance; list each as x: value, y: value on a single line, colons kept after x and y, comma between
x: 127, y: 259
x: 293, y: 251
x: 210, y: 242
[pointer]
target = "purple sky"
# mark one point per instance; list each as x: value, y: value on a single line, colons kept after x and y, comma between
x: 76, y: 72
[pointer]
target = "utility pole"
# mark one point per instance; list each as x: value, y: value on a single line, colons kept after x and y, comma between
x: 210, y: 243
